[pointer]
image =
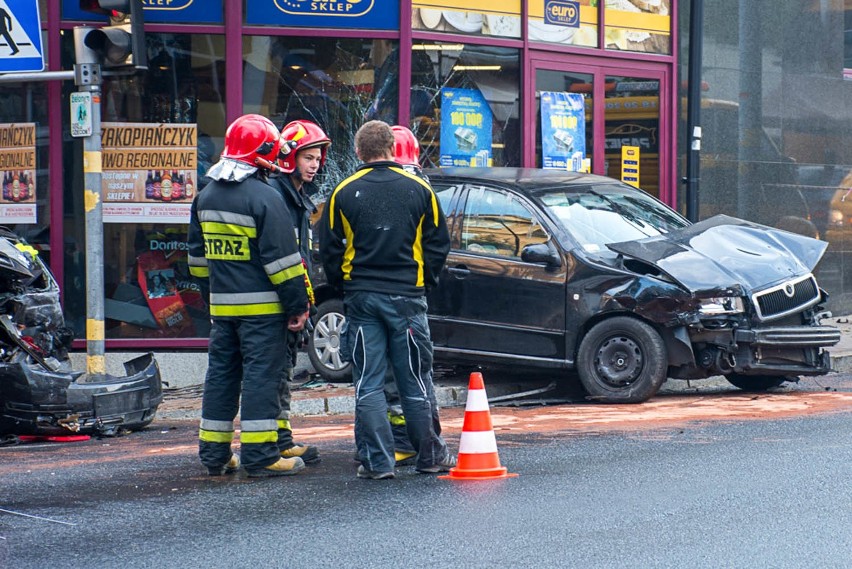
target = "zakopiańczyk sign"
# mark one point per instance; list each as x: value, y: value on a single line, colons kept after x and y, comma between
x: 160, y: 11
x: 363, y: 14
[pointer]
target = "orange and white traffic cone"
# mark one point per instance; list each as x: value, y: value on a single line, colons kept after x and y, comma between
x: 478, y: 458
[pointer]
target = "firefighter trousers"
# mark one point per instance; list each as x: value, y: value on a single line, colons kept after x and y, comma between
x: 243, y: 374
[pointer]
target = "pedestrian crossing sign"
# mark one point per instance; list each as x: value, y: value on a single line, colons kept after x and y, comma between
x: 20, y: 36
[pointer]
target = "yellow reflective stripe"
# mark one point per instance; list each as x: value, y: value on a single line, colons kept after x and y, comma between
x: 417, y: 251
x: 246, y: 309
x: 215, y: 436
x: 227, y: 247
x: 228, y: 229
x: 200, y: 272
x: 339, y: 187
x: 254, y: 437
x: 349, y: 253
x: 284, y: 424
x: 287, y: 274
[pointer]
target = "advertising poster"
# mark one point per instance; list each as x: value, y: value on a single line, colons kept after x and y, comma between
x: 563, y: 131
x: 18, y: 173
x: 149, y: 172
x: 465, y: 128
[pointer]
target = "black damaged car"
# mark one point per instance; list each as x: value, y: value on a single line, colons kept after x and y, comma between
x: 586, y: 274
x: 40, y: 393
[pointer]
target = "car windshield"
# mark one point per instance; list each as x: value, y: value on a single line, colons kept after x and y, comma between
x: 596, y: 215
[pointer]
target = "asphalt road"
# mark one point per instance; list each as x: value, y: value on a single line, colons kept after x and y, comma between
x: 700, y: 480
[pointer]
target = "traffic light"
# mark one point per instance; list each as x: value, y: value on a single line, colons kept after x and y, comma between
x: 122, y: 42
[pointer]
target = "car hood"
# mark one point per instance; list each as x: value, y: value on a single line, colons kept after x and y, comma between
x: 727, y: 253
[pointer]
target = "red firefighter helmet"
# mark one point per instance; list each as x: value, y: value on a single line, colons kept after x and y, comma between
x: 406, y: 149
x: 299, y: 135
x: 251, y: 137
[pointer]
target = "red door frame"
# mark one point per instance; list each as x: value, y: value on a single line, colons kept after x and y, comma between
x: 599, y: 68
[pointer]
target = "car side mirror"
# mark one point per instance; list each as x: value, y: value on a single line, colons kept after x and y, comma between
x: 542, y: 253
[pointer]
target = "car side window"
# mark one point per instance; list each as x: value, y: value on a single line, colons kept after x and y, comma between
x: 444, y: 195
x: 497, y: 223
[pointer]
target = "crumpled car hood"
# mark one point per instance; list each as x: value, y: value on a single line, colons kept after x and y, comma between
x: 727, y: 253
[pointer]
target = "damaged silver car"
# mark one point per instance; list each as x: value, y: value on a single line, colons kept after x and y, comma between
x: 40, y: 394
x: 582, y: 273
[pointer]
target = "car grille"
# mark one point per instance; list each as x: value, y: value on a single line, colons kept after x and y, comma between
x: 786, y: 298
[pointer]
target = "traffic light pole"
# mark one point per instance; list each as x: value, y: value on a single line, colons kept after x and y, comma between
x: 87, y: 77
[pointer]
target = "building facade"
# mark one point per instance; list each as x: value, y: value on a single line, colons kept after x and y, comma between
x: 535, y: 83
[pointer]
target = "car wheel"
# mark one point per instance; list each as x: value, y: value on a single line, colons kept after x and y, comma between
x: 756, y: 382
x: 622, y: 360
x: 324, y: 342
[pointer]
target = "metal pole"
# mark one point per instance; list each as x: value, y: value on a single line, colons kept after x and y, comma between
x: 88, y: 78
x: 693, y: 109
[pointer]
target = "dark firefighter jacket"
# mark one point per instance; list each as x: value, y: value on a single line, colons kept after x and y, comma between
x: 301, y: 207
x: 243, y: 251
x: 383, y: 231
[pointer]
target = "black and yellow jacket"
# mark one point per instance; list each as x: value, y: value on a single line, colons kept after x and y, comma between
x: 383, y: 231
x: 243, y: 251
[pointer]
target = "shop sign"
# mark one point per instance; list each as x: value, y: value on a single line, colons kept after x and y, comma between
x: 362, y: 14
x: 562, y: 13
x: 563, y: 131
x: 465, y: 128
x: 630, y: 165
x: 149, y: 172
x: 159, y: 11
x: 18, y: 173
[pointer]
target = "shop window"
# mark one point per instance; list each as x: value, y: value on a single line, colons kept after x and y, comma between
x: 161, y: 132
x: 638, y: 25
x: 337, y: 83
x: 465, y: 104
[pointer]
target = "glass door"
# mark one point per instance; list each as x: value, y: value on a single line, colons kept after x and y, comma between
x: 619, y: 108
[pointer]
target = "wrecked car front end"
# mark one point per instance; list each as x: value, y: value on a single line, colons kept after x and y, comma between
x: 40, y: 393
x: 755, y: 309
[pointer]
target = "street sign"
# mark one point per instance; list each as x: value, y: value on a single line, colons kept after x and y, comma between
x: 20, y: 37
x: 81, y: 114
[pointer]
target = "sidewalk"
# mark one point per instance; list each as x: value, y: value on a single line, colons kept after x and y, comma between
x: 312, y: 396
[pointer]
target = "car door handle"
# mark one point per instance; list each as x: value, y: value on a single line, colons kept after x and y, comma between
x: 460, y: 271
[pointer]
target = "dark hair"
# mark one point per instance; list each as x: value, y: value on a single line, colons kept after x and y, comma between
x: 374, y: 141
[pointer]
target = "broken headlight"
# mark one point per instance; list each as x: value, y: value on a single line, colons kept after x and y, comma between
x: 720, y: 305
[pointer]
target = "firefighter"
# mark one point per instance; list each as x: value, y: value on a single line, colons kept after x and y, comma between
x: 304, y: 146
x: 244, y: 254
x: 406, y: 150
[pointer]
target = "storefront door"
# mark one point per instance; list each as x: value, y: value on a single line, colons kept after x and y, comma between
x: 583, y: 113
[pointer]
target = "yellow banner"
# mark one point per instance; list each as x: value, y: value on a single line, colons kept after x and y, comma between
x: 509, y: 7
x: 17, y: 135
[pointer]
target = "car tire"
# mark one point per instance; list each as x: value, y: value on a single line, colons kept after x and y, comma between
x: 622, y: 360
x: 755, y: 383
x: 324, y: 343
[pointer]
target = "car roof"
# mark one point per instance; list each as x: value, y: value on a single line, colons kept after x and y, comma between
x: 528, y: 179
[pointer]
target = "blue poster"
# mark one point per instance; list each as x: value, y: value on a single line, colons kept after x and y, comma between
x: 341, y: 14
x: 465, y: 128
x: 158, y: 11
x: 563, y: 131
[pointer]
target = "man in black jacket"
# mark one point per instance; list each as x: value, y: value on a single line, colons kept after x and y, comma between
x: 383, y: 241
